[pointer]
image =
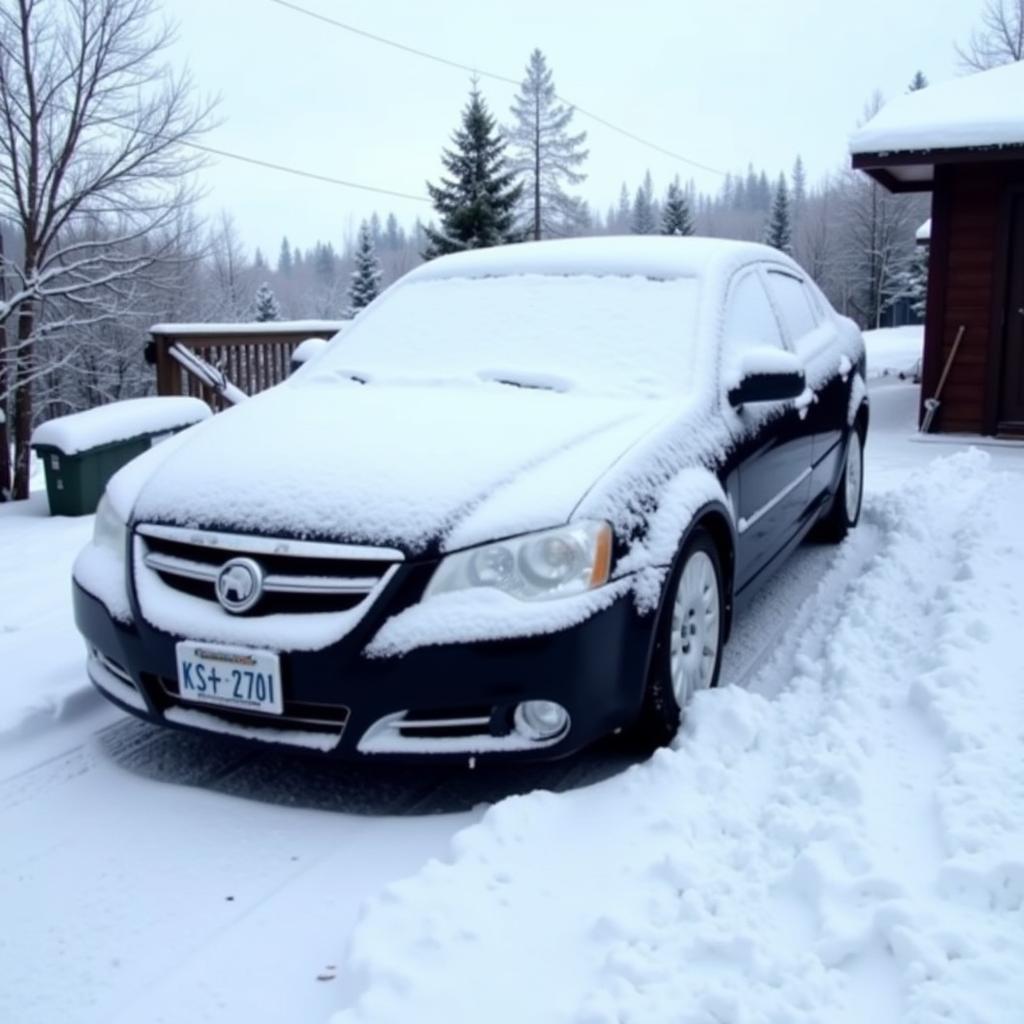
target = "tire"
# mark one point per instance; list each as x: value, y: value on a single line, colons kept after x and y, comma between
x: 844, y: 512
x: 690, y: 659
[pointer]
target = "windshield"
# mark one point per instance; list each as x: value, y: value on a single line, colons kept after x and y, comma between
x: 598, y: 335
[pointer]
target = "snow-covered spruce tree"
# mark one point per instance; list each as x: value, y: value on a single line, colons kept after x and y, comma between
x: 778, y: 232
x: 364, y: 285
x: 918, y: 82
x: 643, y: 220
x: 267, y: 307
x: 911, y: 282
x: 476, y: 205
x: 546, y: 154
x: 676, y: 218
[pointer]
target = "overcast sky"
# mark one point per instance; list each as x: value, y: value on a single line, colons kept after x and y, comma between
x: 722, y: 82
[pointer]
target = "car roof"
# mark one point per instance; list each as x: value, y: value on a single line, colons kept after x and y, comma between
x: 654, y: 256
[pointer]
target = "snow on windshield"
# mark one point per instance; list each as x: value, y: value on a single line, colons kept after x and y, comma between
x: 605, y: 335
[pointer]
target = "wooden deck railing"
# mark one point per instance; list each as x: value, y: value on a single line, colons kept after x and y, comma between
x: 254, y: 357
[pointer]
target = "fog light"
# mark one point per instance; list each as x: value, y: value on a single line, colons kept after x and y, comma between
x: 541, y: 719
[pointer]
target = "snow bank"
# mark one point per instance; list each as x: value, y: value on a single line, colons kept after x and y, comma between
x: 895, y: 351
x: 978, y: 110
x: 848, y: 851
x: 119, y: 421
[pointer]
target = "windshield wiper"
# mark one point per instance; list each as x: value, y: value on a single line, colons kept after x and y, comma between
x: 532, y: 381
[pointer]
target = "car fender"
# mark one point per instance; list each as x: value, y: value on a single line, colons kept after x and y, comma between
x: 693, y: 496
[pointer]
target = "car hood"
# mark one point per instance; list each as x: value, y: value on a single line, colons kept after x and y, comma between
x: 414, y: 467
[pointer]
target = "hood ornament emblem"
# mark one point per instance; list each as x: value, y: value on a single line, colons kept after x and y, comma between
x: 239, y: 585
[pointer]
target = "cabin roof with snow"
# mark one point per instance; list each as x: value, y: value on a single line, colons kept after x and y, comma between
x: 963, y: 141
x: 977, y: 118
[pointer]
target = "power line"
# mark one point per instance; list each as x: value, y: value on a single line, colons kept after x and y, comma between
x: 482, y: 73
x: 298, y: 172
x: 258, y: 162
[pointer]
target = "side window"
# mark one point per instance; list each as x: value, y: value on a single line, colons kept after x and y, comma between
x: 749, y: 318
x: 794, y: 302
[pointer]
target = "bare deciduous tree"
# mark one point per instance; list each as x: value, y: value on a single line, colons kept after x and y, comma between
x: 999, y: 39
x: 94, y: 163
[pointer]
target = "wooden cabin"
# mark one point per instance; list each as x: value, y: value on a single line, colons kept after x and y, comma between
x: 963, y: 141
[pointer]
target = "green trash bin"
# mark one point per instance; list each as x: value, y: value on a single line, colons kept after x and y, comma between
x: 81, y: 452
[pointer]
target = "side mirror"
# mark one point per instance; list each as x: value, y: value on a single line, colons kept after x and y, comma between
x: 766, y: 375
x: 305, y: 352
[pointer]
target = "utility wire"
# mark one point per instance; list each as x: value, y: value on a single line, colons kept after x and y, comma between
x: 298, y: 172
x: 496, y: 77
x: 257, y: 162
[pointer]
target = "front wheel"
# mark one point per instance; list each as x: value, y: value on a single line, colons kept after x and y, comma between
x: 688, y: 648
x: 844, y: 512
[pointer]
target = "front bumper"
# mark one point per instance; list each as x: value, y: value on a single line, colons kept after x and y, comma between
x: 343, y: 704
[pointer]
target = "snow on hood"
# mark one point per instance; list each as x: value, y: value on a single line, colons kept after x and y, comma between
x: 399, y: 465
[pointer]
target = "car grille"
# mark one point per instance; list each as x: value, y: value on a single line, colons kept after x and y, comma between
x: 299, y: 576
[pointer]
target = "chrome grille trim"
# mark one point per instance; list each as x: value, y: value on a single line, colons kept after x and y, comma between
x: 240, y: 543
x: 300, y: 577
x: 273, y: 583
x: 438, y: 723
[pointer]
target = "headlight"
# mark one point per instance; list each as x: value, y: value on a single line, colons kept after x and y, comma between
x: 109, y: 531
x: 535, y: 567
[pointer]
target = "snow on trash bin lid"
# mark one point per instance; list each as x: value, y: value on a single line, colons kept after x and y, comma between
x: 118, y: 421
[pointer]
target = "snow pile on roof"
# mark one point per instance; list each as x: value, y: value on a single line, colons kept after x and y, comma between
x: 847, y: 851
x: 264, y: 327
x: 924, y: 232
x: 983, y: 109
x: 652, y: 256
x: 119, y: 421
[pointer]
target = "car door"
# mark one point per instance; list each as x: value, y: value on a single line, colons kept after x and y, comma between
x: 773, y: 444
x: 812, y: 337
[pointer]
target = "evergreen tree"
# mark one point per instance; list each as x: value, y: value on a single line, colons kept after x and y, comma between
x: 918, y: 82
x: 624, y: 212
x: 545, y: 153
x: 258, y: 262
x: 267, y: 307
x: 364, y: 285
x: 778, y: 232
x: 325, y: 262
x: 477, y: 203
x: 394, y: 235
x: 644, y: 221
x: 799, y: 185
x: 676, y: 219
x: 911, y: 282
x: 284, y: 260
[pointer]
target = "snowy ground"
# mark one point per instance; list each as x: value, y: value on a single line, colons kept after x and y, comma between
x: 835, y: 837
x: 895, y: 351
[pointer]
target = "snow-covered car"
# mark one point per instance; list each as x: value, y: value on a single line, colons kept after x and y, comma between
x: 512, y: 510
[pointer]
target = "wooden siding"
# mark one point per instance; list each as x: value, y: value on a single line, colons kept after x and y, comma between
x: 966, y: 287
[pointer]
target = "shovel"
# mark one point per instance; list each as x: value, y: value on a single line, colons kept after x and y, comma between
x: 931, y: 405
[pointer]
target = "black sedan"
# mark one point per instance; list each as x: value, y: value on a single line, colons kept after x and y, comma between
x: 515, y: 507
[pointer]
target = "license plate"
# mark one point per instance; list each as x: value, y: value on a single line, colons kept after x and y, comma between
x: 230, y: 677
